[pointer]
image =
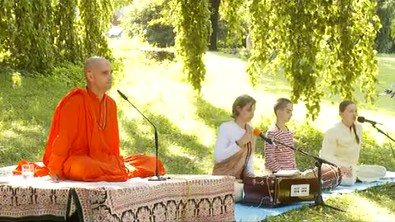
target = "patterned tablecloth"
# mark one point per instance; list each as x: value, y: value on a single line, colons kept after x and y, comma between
x: 180, y: 198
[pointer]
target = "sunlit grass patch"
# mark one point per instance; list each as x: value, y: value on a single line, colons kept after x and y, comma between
x: 376, y: 204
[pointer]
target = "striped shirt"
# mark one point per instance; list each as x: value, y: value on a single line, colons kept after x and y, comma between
x: 277, y: 156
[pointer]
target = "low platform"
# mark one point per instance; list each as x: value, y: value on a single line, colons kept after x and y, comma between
x: 180, y: 198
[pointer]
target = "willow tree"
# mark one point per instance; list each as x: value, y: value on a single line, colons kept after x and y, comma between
x: 42, y: 42
x: 192, y: 33
x: 232, y: 12
x: 5, y: 17
x: 67, y: 32
x: 385, y: 41
x: 28, y: 31
x: 321, y: 46
x: 96, y: 17
x: 37, y: 35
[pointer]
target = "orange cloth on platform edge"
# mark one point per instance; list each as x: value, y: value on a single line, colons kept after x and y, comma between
x: 138, y: 165
x: 83, y: 143
x: 38, y: 170
x: 143, y: 165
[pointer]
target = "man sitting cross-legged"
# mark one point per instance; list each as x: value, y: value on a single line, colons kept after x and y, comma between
x: 83, y: 143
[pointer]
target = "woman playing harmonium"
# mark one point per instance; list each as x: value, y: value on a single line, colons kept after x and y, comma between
x: 235, y: 145
x: 342, y: 144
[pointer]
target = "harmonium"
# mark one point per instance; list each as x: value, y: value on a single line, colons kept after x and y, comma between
x: 273, y: 191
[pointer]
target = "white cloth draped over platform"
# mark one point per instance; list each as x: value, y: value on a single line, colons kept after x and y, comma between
x: 180, y: 198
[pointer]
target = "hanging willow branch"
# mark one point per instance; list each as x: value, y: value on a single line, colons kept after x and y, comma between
x: 193, y: 30
x: 34, y: 33
x: 320, y: 46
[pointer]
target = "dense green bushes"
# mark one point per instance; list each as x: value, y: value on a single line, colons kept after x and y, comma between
x: 36, y: 36
x: 148, y: 20
x: 385, y: 40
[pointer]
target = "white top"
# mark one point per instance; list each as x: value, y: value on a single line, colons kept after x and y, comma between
x: 340, y: 145
x: 225, y: 147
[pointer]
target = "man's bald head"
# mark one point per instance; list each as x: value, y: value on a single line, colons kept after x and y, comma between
x: 92, y: 62
x: 98, y: 73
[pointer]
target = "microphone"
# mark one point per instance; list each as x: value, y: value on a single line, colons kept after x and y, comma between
x: 258, y: 132
x: 157, y: 176
x: 362, y: 119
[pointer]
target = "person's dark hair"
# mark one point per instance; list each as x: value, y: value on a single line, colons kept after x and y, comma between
x: 342, y: 107
x: 281, y: 104
x: 240, y: 102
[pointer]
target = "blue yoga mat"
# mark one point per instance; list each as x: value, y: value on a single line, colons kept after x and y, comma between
x: 250, y: 213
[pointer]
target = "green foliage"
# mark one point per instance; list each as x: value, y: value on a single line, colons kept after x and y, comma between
x: 193, y: 31
x: 4, y: 14
x: 96, y: 17
x: 385, y: 40
x: 33, y: 33
x: 233, y: 14
x: 42, y: 54
x: 121, y: 3
x: 160, y: 35
x: 308, y: 139
x: 68, y: 42
x: 318, y: 45
x: 21, y: 21
x: 26, y: 105
x: 69, y: 74
x: 148, y: 19
x: 29, y: 44
x: 374, y: 153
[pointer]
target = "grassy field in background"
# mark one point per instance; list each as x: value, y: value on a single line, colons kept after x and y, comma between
x: 187, y: 122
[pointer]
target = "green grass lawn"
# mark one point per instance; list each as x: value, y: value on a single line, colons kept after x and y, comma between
x: 187, y: 122
x: 375, y: 204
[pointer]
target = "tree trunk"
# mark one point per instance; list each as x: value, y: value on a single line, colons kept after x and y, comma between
x: 214, y: 8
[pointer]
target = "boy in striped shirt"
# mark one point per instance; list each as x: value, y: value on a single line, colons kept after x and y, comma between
x: 277, y: 156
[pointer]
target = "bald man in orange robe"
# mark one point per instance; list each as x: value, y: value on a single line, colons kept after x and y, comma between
x: 83, y: 143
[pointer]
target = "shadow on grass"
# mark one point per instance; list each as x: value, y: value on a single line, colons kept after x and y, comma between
x: 360, y: 206
x: 181, y: 153
x: 25, y: 116
x: 27, y: 104
x: 211, y: 115
x: 383, y: 196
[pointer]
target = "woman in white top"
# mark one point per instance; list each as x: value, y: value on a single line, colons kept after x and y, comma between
x: 234, y: 149
x: 342, y: 144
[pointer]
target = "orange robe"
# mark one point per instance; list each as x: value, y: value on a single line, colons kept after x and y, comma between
x: 83, y: 143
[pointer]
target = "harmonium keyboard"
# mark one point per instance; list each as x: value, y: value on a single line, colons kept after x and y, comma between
x: 272, y: 191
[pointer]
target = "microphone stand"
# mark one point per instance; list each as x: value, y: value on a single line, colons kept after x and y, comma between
x: 157, y: 177
x: 319, y: 201
x: 388, y: 136
x: 382, y: 132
